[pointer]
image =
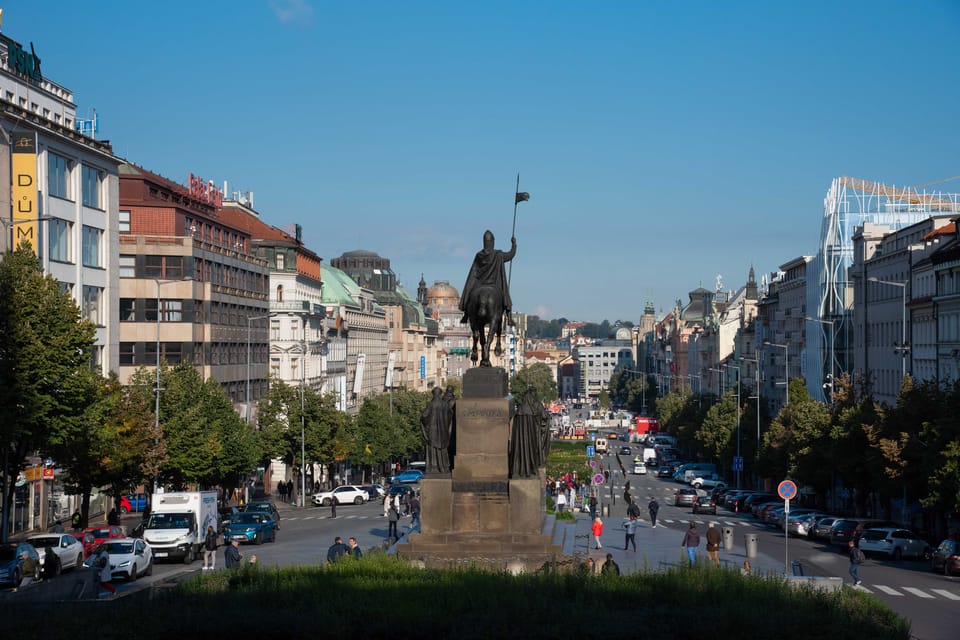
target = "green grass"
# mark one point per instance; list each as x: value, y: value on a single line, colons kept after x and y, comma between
x: 382, y: 597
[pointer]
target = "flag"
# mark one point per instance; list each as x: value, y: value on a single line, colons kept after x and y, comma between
x: 522, y: 196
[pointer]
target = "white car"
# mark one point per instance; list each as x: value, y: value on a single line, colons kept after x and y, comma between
x: 639, y: 468
x: 130, y: 558
x: 708, y: 482
x: 68, y: 549
x: 344, y: 494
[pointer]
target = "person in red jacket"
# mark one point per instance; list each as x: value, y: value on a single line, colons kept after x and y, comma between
x: 597, y: 530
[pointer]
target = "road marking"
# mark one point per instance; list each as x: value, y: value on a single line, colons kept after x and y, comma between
x: 946, y: 594
x: 731, y: 524
x: 890, y: 591
x: 917, y: 592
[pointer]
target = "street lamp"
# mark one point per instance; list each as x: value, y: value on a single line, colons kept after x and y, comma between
x: 786, y: 370
x: 756, y: 362
x: 699, y: 387
x: 833, y: 342
x: 156, y: 410
x: 739, y: 466
x: 903, y: 349
x: 10, y: 224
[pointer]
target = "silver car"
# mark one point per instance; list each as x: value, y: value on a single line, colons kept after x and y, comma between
x: 821, y: 529
x: 894, y: 543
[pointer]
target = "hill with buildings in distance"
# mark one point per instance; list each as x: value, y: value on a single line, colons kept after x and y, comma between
x: 554, y: 329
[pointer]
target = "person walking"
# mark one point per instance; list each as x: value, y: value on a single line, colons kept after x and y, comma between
x: 610, y: 568
x: 76, y: 521
x: 354, y: 549
x: 691, y: 540
x: 630, y: 527
x: 333, y: 507
x: 414, y: 511
x: 713, y: 544
x: 652, y: 508
x: 231, y: 557
x: 57, y: 527
x: 593, y: 507
x: 393, y: 517
x: 113, y: 518
x: 856, y: 559
x: 337, y: 550
x: 51, y: 564
x: 210, y: 549
x: 386, y: 504
x: 562, y: 502
x: 281, y: 491
x: 597, y: 530
x: 104, y: 574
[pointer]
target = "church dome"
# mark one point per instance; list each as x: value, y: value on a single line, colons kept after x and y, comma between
x: 442, y: 294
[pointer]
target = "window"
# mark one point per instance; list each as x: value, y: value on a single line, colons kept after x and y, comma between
x: 124, y: 221
x: 91, y: 246
x: 128, y: 266
x: 280, y: 259
x: 59, y: 240
x: 165, y: 267
x: 128, y: 310
x: 92, y: 183
x: 126, y: 353
x: 274, y: 329
x: 279, y: 293
x: 91, y: 304
x: 172, y: 310
x: 58, y: 176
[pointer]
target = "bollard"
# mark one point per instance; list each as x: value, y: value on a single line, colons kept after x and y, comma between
x: 728, y: 538
x: 750, y: 541
x: 797, y: 568
x: 606, y: 510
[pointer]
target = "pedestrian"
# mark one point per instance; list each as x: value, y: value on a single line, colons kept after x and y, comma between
x: 561, y: 502
x: 856, y: 559
x: 610, y: 567
x: 713, y: 544
x: 393, y: 517
x: 51, y: 564
x: 630, y: 527
x: 253, y: 559
x: 337, y: 550
x: 104, y: 574
x: 386, y: 504
x: 745, y: 571
x: 333, y: 507
x: 210, y: 549
x: 691, y: 540
x: 354, y: 549
x: 633, y: 510
x: 414, y: 511
x: 281, y: 491
x: 588, y: 567
x: 231, y: 557
x: 57, y: 527
x: 113, y: 518
x: 76, y: 520
x: 593, y: 507
x: 597, y: 530
x: 289, y: 489
x: 653, y: 507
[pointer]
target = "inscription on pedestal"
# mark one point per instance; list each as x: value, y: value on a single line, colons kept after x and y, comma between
x: 485, y: 382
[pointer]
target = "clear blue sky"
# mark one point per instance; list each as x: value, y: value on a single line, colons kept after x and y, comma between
x: 662, y: 143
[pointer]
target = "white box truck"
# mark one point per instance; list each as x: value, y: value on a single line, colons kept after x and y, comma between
x: 177, y: 526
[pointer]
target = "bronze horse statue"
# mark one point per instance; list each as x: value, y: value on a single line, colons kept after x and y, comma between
x: 486, y: 309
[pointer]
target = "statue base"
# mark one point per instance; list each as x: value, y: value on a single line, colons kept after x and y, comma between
x: 485, y: 382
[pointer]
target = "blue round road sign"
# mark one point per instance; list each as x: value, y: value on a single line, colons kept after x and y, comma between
x: 787, y: 489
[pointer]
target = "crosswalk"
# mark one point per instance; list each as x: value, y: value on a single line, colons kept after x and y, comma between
x: 899, y: 592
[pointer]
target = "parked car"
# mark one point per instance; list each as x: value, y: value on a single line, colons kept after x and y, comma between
x: 755, y: 499
x: 821, y: 528
x: 802, y: 524
x: 251, y: 526
x: 946, y: 557
x: 67, y: 549
x: 87, y: 541
x: 705, y: 504
x: 265, y: 507
x: 665, y: 471
x: 133, y: 502
x: 102, y: 534
x: 780, y: 519
x: 711, y: 481
x: 407, y: 476
x: 11, y: 562
x: 733, y: 500
x: 344, y: 494
x: 894, y: 543
x: 760, y: 510
x: 685, y: 497
x: 847, y: 529
x: 375, y: 491
x: 130, y: 558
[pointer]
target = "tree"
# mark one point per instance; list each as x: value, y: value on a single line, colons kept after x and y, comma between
x: 538, y: 376
x: 717, y: 433
x: 45, y: 350
x: 791, y: 445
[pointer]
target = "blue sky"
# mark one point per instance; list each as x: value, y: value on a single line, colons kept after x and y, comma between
x: 662, y: 143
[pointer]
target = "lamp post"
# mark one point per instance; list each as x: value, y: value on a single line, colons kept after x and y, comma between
x: 156, y: 409
x: 739, y: 468
x: 833, y: 342
x: 903, y: 349
x: 756, y: 362
x: 699, y: 387
x: 303, y: 423
x: 10, y: 224
x: 249, y: 320
x: 786, y: 369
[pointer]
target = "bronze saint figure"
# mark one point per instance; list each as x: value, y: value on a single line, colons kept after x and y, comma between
x: 436, y: 422
x: 529, y: 438
x: 486, y: 297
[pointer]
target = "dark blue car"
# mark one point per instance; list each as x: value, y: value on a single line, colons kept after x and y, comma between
x: 407, y: 476
x: 11, y: 562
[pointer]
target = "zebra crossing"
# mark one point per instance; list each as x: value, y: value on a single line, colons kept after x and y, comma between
x: 899, y: 592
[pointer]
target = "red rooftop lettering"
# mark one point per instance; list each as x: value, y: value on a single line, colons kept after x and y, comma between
x: 205, y: 192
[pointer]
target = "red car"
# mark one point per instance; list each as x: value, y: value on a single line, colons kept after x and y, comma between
x: 88, y: 541
x: 104, y: 533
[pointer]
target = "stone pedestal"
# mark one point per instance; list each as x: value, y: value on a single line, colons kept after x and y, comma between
x: 480, y: 516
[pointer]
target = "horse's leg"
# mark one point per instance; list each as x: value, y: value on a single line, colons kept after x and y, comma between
x: 484, y: 347
x: 473, y: 352
x: 496, y: 327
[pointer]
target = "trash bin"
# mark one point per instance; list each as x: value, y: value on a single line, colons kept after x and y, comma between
x: 606, y: 510
x: 750, y: 542
x: 797, y: 568
x: 728, y: 538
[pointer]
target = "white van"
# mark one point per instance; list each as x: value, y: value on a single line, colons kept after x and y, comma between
x: 601, y: 445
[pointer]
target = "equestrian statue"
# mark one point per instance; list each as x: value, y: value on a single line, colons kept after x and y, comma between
x: 486, y: 298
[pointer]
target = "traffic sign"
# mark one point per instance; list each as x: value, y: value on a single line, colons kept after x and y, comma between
x: 738, y: 463
x: 591, y: 451
x: 787, y: 489
x: 598, y: 479
x: 593, y: 464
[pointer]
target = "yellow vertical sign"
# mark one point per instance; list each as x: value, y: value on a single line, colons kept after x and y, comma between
x: 24, y: 188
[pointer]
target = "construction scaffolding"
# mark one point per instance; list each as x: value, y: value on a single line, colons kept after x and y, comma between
x: 849, y: 203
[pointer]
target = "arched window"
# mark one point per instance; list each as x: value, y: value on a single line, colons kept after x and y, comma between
x: 279, y: 293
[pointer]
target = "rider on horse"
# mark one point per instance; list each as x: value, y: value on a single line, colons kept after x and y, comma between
x: 488, y: 270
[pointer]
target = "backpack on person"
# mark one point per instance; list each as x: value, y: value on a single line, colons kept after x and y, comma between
x: 861, y: 557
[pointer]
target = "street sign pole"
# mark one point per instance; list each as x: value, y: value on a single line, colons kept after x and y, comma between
x: 786, y: 490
